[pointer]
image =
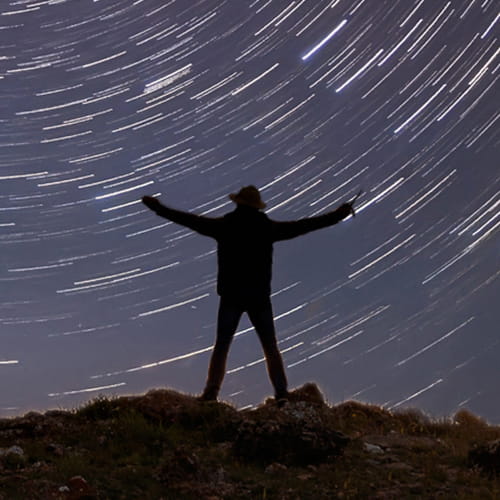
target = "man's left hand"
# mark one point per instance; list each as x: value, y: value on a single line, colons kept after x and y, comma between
x: 345, y: 210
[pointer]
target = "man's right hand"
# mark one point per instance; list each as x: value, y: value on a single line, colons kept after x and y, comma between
x: 151, y: 203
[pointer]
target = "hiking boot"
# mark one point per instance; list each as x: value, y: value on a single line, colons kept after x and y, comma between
x: 207, y: 396
x: 282, y: 398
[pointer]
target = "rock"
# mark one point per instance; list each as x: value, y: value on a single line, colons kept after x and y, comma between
x: 55, y: 449
x: 13, y: 450
x: 33, y: 415
x: 373, y: 448
x: 77, y: 483
x: 308, y: 392
x: 275, y: 467
x: 13, y: 457
x: 486, y: 457
x: 80, y: 488
x: 305, y: 477
x: 395, y: 440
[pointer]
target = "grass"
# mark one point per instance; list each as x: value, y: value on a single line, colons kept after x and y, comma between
x: 166, y: 445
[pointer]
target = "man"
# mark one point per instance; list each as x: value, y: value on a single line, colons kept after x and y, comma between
x: 245, y: 240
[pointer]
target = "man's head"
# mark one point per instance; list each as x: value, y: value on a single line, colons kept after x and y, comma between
x: 249, y: 196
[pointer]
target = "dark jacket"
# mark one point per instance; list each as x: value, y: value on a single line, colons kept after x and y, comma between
x: 245, y: 240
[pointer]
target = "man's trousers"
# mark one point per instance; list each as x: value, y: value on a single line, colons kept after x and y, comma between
x: 260, y: 313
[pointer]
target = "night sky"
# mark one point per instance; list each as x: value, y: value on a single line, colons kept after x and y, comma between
x: 104, y: 101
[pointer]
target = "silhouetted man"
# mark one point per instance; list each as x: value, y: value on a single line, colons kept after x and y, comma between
x: 245, y: 240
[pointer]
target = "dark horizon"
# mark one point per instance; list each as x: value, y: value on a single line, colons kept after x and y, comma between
x: 106, y: 102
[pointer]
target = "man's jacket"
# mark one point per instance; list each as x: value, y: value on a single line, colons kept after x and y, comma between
x: 245, y: 240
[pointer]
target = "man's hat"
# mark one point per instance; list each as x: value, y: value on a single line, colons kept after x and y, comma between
x: 248, y: 195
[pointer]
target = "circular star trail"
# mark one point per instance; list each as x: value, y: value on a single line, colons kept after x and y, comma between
x: 102, y: 102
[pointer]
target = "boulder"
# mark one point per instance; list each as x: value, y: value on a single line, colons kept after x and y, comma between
x: 486, y: 457
x: 287, y: 441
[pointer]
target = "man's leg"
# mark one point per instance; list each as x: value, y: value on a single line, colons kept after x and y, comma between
x: 261, y: 316
x: 227, y: 321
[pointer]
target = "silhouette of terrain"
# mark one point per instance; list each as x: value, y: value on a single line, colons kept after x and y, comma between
x: 167, y: 445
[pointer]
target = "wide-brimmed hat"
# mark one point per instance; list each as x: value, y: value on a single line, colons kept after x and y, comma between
x: 248, y: 195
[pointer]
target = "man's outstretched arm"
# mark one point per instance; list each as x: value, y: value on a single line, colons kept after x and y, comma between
x: 204, y: 225
x: 291, y: 229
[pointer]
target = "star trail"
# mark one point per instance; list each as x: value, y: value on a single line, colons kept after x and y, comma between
x: 103, y: 102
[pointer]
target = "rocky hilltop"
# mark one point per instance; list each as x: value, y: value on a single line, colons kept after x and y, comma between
x: 167, y: 445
